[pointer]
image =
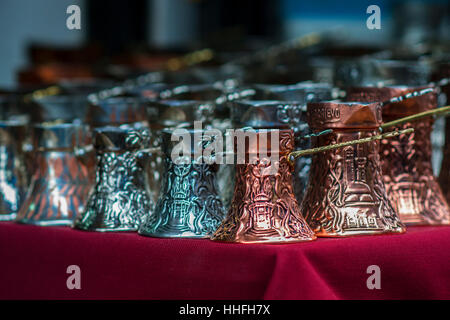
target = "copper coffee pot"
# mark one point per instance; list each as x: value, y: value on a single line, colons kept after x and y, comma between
x: 406, y: 163
x: 281, y: 107
x: 346, y: 195
x: 62, y: 158
x: 264, y: 208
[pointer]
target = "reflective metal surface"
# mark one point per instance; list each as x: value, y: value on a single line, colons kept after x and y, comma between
x: 444, y: 175
x: 120, y: 198
x: 62, y: 163
x: 264, y: 209
x: 216, y: 95
x: 302, y: 92
x: 208, y: 103
x: 272, y: 114
x: 13, y: 172
x: 286, y: 108
x: 189, y: 204
x: 64, y: 108
x: 368, y: 70
x: 179, y: 113
x: 346, y: 194
x: 116, y: 111
x: 266, y: 113
x: 406, y: 163
x: 197, y: 92
x: 172, y: 114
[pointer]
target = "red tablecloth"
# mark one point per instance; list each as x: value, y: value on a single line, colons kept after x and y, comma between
x: 34, y: 261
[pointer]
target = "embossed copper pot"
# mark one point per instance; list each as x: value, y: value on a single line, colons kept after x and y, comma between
x: 264, y: 208
x: 406, y: 163
x: 271, y: 114
x: 13, y: 172
x: 346, y: 194
x: 285, y: 107
x: 189, y: 204
x: 61, y: 180
x: 120, y: 198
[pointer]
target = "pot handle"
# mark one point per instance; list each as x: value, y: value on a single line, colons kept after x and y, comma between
x: 301, y: 153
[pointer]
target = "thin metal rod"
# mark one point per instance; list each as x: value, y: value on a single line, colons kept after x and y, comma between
x: 386, y: 135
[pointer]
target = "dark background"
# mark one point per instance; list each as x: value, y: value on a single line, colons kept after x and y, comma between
x: 231, y: 25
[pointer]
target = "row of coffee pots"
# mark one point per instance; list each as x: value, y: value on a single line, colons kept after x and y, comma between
x: 369, y: 188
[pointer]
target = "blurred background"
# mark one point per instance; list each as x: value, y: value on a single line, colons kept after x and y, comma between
x: 122, y: 34
x: 130, y: 59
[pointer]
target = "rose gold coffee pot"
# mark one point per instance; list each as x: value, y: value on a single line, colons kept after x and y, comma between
x: 346, y: 195
x: 406, y: 162
x: 264, y: 208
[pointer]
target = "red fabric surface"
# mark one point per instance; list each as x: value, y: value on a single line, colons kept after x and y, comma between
x: 33, y: 263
